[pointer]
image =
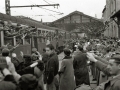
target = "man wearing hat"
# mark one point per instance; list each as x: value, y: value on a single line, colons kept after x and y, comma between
x: 110, y: 69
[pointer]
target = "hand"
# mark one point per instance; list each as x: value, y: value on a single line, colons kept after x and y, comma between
x: 95, y: 55
x: 6, y: 72
x: 91, y: 57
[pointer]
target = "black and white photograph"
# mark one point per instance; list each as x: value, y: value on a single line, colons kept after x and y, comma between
x: 59, y: 44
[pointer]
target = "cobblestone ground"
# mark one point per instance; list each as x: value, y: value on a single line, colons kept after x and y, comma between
x: 93, y: 83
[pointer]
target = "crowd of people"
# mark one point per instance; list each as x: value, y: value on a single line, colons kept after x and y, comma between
x: 103, y: 57
x: 42, y: 71
x: 19, y: 31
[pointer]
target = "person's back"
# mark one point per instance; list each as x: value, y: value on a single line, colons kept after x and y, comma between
x: 80, y: 69
x: 67, y: 81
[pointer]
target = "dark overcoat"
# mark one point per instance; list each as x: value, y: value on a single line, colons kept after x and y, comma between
x: 80, y: 69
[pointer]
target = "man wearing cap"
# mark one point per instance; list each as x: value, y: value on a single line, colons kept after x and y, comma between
x: 110, y: 69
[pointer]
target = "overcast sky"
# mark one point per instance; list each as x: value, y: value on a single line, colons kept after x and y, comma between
x: 89, y: 7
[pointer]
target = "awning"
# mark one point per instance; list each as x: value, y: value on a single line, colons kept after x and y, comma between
x: 117, y: 14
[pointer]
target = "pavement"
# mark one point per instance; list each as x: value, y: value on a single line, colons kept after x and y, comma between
x: 93, y: 83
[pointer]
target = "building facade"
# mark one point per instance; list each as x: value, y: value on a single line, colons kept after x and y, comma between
x: 76, y: 21
x: 111, y: 18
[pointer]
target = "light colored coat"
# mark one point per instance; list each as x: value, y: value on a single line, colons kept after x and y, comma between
x: 67, y: 81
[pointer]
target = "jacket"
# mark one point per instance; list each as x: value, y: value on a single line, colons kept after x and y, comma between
x: 67, y: 81
x: 52, y: 67
x: 111, y: 84
x: 80, y: 69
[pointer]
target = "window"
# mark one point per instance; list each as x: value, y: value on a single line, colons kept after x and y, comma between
x: 27, y: 41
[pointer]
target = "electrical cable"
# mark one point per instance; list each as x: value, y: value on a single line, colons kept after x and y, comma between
x: 42, y: 8
x: 46, y: 1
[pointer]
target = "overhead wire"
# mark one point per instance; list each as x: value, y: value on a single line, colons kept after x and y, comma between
x: 46, y: 1
x: 31, y: 3
x: 52, y: 2
x: 45, y: 11
x: 31, y: 7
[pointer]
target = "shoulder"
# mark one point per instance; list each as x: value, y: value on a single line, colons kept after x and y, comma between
x: 117, y: 84
x: 67, y: 60
x: 64, y: 60
x: 54, y: 57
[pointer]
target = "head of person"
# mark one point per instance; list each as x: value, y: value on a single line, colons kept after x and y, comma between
x: 49, y: 49
x: 105, y: 50
x: 114, y: 65
x: 28, y: 82
x: 79, y: 48
x: 44, y: 50
x: 4, y: 85
x: 34, y: 50
x: 67, y: 52
x: 27, y: 59
x: 34, y: 57
x: 5, y: 52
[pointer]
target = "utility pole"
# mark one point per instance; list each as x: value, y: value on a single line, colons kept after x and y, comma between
x: 7, y: 7
x: 8, y: 11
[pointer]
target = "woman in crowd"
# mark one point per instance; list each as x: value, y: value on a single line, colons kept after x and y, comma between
x: 67, y: 72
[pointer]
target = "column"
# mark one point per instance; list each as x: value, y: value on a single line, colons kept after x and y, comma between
x: 30, y: 40
x: 14, y: 40
x: 119, y: 27
x: 23, y: 41
x: 2, y: 38
x: 37, y: 40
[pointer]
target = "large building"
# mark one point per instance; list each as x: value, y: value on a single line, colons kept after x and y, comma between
x: 78, y: 22
x: 111, y: 17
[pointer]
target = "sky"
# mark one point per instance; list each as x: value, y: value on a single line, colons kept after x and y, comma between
x: 48, y: 14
